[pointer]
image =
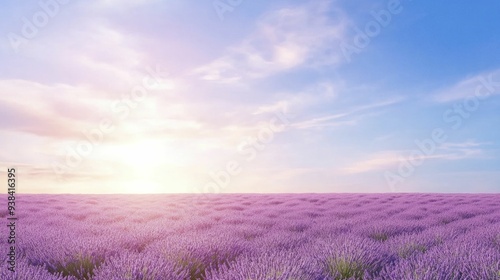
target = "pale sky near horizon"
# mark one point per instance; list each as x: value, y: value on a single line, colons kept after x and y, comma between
x: 147, y: 96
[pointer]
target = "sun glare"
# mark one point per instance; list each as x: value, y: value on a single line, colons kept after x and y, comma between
x: 145, y: 160
x: 144, y: 155
x: 141, y: 187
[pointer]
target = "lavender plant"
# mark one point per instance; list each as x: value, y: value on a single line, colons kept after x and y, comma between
x: 255, y: 236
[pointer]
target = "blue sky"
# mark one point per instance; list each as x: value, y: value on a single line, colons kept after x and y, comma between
x: 148, y: 96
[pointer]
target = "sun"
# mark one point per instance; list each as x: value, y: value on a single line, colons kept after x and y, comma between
x: 141, y: 187
x: 147, y: 166
x: 143, y: 160
x: 145, y: 154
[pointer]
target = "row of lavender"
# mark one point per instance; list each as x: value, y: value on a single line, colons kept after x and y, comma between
x: 286, y: 236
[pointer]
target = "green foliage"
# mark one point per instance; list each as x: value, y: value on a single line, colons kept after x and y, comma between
x: 411, y: 248
x: 345, y: 269
x: 81, y: 267
x: 197, y: 268
x: 380, y: 236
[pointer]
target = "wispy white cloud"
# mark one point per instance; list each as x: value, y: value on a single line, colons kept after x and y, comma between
x: 94, y: 53
x: 463, y: 150
x: 392, y: 158
x: 281, y: 105
x: 349, y: 117
x: 326, y: 121
x: 296, y: 102
x: 463, y: 145
x: 55, y: 111
x: 484, y: 84
x: 283, y: 39
x: 114, y: 4
x: 377, y: 161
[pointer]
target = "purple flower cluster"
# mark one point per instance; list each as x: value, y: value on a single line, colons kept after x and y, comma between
x: 254, y: 236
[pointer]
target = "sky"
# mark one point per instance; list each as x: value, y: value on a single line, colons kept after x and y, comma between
x: 238, y: 96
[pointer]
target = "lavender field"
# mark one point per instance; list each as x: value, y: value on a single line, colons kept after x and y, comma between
x: 250, y: 236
